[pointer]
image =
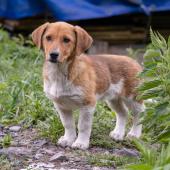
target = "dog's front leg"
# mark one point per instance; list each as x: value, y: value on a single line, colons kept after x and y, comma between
x: 67, y: 120
x: 84, y: 127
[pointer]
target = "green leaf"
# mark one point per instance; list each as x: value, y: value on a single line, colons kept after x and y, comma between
x: 151, y: 53
x: 164, y: 136
x: 157, y: 40
x: 149, y: 70
x: 162, y: 40
x: 149, y: 85
x: 149, y: 94
x: 162, y: 107
x: 169, y: 42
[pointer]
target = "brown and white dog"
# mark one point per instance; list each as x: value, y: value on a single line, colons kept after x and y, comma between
x: 74, y: 80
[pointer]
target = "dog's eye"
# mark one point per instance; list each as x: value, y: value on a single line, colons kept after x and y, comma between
x: 48, y: 38
x: 66, y: 40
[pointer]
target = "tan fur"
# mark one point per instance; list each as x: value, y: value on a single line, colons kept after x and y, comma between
x: 98, y: 71
x: 38, y: 34
x: 85, y: 75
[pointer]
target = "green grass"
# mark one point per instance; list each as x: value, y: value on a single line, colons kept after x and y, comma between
x: 21, y: 94
x: 6, y: 141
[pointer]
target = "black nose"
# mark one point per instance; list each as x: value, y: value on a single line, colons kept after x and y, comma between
x: 54, y: 56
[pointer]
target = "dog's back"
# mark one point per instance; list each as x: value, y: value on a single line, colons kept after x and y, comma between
x: 110, y: 69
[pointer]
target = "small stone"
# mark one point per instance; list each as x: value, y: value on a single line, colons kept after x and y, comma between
x: 17, y: 151
x: 14, y: 134
x: 2, y: 134
x: 106, y: 152
x: 38, y: 156
x: 15, y: 128
x: 48, y: 151
x: 77, y: 159
x: 44, y: 165
x: 127, y: 152
x: 40, y: 143
x: 59, y: 156
x: 24, y: 143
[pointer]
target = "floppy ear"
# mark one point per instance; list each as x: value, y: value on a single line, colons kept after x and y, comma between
x: 84, y: 40
x: 38, y: 33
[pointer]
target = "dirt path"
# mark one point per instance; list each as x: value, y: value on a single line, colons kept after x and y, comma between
x: 28, y: 151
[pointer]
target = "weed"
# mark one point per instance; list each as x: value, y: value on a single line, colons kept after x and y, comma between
x: 157, y: 87
x: 51, y: 128
x: 152, y: 159
x: 6, y: 140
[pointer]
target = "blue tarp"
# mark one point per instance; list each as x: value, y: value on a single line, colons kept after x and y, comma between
x: 79, y: 9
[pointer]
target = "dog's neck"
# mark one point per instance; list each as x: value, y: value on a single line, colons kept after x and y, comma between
x: 56, y: 69
x: 65, y: 69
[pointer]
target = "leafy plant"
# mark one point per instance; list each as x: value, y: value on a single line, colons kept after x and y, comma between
x: 156, y: 87
x: 152, y: 159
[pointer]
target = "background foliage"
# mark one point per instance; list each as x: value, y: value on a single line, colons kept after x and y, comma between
x: 156, y: 87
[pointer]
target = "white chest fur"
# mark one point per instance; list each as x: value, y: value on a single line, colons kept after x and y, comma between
x: 58, y: 88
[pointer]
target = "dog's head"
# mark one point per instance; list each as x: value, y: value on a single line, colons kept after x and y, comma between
x: 60, y: 41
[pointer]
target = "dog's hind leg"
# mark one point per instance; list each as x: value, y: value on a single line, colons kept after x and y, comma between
x: 67, y: 120
x: 121, y: 117
x: 136, y: 108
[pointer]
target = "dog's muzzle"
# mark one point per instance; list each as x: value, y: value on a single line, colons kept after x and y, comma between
x: 54, y: 57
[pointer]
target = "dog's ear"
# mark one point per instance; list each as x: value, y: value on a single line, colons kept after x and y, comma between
x: 37, y: 35
x: 84, y: 40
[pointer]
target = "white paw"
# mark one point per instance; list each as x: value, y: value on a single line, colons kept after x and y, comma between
x: 64, y: 142
x: 116, y: 136
x: 80, y: 145
x: 132, y: 135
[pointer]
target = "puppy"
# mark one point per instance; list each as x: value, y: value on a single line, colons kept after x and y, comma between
x: 74, y: 80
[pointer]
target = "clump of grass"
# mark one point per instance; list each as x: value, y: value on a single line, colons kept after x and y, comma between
x: 6, y: 140
x: 51, y: 128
